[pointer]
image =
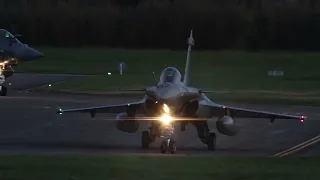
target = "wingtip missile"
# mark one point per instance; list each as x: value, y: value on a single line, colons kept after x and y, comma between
x: 302, y: 119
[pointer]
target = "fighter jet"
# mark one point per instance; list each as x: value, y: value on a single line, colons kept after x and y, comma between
x: 172, y: 100
x: 12, y: 52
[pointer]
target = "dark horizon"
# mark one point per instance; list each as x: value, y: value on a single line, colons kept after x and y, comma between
x: 241, y: 25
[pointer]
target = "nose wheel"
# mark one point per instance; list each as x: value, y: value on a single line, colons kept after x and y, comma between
x: 168, y: 145
x: 3, y: 91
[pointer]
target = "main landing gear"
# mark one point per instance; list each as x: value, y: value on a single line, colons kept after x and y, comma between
x: 204, y: 134
x: 168, y: 144
x: 145, y: 140
x: 3, y: 90
x: 211, y: 141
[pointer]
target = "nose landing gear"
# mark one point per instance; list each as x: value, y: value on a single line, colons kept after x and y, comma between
x: 211, y: 141
x: 168, y: 145
x: 165, y: 132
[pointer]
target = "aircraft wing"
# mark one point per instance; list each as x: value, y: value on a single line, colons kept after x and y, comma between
x: 221, y: 110
x: 129, y: 107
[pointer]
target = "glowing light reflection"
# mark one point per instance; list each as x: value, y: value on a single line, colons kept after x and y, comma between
x: 166, y: 108
x: 166, y: 118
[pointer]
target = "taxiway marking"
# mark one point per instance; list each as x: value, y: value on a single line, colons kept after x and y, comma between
x: 298, y: 147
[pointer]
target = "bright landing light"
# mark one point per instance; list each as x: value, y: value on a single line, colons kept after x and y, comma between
x: 2, y: 65
x: 166, y: 108
x: 166, y: 118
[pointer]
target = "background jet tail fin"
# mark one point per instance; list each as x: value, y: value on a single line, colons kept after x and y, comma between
x: 186, y: 72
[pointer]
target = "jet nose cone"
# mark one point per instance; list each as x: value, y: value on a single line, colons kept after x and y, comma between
x: 165, y: 95
x: 37, y: 54
x: 29, y: 54
x: 158, y: 95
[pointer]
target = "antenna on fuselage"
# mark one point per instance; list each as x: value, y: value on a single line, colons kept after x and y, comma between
x: 155, y: 79
x: 186, y: 72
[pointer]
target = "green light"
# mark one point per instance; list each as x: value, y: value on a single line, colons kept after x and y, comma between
x: 170, y: 73
x: 7, y: 36
x: 109, y: 73
x: 129, y: 104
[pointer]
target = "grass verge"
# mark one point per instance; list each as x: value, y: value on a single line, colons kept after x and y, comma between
x: 109, y: 85
x: 210, y: 69
x: 142, y: 167
x: 235, y: 97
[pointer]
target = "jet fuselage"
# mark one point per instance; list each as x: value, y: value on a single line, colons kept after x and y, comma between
x: 170, y: 91
x: 13, y: 51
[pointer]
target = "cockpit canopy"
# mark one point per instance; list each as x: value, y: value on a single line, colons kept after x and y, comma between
x: 7, y: 39
x: 170, y: 75
x: 5, y: 33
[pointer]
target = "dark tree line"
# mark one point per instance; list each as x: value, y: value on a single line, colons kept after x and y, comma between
x: 217, y: 24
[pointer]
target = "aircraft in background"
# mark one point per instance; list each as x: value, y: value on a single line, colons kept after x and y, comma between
x: 12, y: 52
x: 173, y: 101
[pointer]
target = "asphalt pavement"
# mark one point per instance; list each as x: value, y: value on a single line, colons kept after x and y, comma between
x: 25, y: 81
x: 29, y: 124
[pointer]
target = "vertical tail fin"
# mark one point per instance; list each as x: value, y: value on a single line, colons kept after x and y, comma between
x: 186, y: 72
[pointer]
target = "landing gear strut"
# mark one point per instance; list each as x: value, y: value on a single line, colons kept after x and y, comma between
x: 145, y: 139
x: 204, y: 134
x: 168, y: 145
x: 211, y: 141
x: 165, y: 132
x: 3, y: 90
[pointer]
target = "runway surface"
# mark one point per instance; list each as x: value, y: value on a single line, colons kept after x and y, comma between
x: 29, y: 125
x: 23, y: 81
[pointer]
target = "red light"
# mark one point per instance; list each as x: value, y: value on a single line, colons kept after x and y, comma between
x: 302, y: 119
x: 224, y: 107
